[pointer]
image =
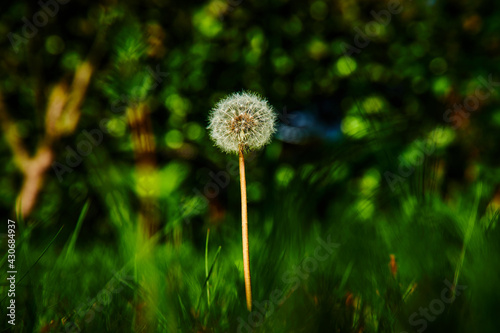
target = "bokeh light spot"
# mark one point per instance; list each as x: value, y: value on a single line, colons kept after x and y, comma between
x: 174, y: 139
x: 116, y: 127
x: 441, y: 86
x: 346, y: 66
x: 438, y: 66
x: 284, y: 175
x: 194, y: 131
x: 319, y: 10
x: 54, y: 45
x: 354, y: 126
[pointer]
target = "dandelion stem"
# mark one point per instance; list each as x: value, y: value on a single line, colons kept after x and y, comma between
x: 244, y: 231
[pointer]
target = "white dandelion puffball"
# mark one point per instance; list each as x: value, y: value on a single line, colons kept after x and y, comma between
x: 242, y: 120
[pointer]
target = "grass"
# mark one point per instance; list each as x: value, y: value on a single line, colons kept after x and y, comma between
x: 164, y: 285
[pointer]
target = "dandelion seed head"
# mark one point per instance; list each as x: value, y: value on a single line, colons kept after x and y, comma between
x: 242, y: 120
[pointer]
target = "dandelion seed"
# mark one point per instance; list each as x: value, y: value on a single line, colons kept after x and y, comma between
x: 242, y: 120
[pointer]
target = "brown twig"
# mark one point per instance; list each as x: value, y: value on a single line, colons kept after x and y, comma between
x: 62, y: 116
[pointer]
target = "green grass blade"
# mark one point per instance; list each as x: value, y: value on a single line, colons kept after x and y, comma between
x: 79, y: 223
x: 206, y: 267
x: 208, y: 277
